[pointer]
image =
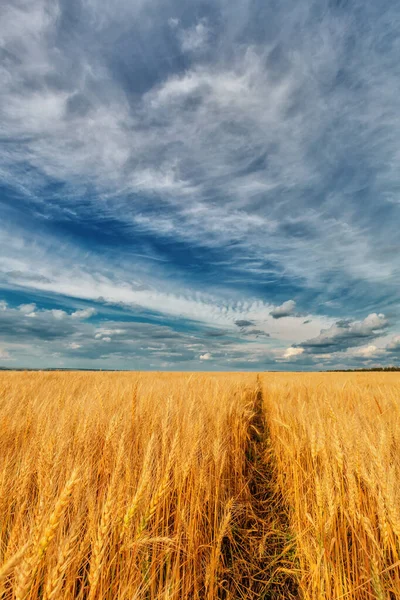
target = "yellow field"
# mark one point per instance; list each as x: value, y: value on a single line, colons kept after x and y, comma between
x: 173, y: 486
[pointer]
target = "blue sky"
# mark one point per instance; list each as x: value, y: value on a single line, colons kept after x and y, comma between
x: 199, y: 185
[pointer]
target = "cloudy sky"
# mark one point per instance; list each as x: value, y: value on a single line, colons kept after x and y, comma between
x: 199, y: 185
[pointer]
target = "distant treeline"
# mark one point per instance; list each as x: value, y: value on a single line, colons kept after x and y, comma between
x: 357, y: 370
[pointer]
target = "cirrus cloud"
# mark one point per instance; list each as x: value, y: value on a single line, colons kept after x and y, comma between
x: 202, y: 163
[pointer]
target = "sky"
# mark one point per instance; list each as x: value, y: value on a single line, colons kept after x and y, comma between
x: 204, y: 185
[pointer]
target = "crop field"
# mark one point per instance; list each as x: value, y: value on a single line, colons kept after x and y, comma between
x: 199, y: 486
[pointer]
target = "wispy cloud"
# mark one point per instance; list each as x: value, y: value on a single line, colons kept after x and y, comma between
x: 195, y: 163
x: 194, y: 38
x: 111, y: 283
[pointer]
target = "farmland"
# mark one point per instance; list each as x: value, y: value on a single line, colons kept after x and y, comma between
x: 179, y: 485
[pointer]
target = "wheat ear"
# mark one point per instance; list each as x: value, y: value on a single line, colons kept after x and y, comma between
x: 29, y: 566
x: 12, y: 562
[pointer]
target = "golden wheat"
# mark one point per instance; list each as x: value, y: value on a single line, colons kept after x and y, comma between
x: 201, y: 486
x: 155, y: 461
x: 336, y: 440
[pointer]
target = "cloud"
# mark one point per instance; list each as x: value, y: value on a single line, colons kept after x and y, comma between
x: 4, y: 355
x: 28, y: 309
x: 284, y: 310
x: 394, y: 344
x: 366, y: 351
x: 49, y: 340
x: 293, y: 352
x: 93, y: 131
x: 345, y: 334
x: 244, y: 323
x: 194, y: 38
x: 47, y: 325
x: 56, y: 338
x: 113, y: 283
x: 21, y: 277
x: 101, y: 332
x: 59, y: 314
x: 173, y: 23
x: 257, y: 332
x: 205, y: 174
x: 215, y: 333
x: 85, y: 313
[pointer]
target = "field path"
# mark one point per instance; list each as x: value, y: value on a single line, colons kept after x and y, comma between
x: 261, y: 559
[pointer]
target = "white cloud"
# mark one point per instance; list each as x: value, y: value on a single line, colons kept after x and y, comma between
x: 85, y: 313
x: 194, y: 38
x: 205, y: 356
x: 366, y: 351
x: 28, y: 310
x: 59, y: 314
x: 173, y: 22
x: 4, y: 355
x: 74, y: 346
x: 374, y: 322
x: 284, y: 310
x: 293, y: 352
x: 103, y: 331
x: 394, y: 344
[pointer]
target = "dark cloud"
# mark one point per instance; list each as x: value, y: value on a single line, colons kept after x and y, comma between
x: 257, y: 332
x: 244, y: 323
x: 214, y: 333
x: 343, y: 323
x: 28, y: 277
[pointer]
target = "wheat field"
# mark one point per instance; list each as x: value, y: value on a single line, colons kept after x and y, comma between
x: 199, y: 486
